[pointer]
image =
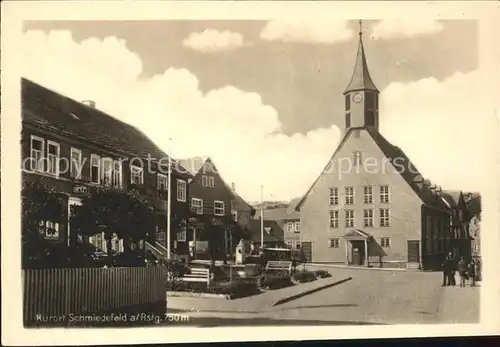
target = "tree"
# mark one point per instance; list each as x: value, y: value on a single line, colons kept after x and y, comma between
x: 39, y: 205
x: 115, y: 212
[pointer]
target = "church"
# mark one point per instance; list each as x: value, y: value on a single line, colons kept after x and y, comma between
x: 371, y: 206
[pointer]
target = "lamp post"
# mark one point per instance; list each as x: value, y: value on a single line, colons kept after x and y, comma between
x: 169, y: 198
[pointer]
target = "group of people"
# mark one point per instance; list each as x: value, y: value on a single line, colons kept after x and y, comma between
x: 468, y: 271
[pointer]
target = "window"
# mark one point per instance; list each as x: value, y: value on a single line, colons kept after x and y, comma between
x: 117, y: 173
x: 368, y: 194
x: 162, y: 182
x: 197, y: 204
x: 181, y: 190
x: 358, y: 158
x: 289, y: 227
x: 349, y: 195
x: 476, y: 247
x: 181, y: 236
x: 107, y: 171
x: 368, y: 218
x: 234, y: 214
x: 428, y: 245
x: 218, y: 208
x: 370, y: 118
x: 211, y: 182
x: 76, y: 163
x: 136, y: 175
x: 297, y: 227
x: 384, y: 194
x: 289, y: 244
x: 297, y: 244
x: 334, y: 243
x: 385, y: 242
x: 356, y: 133
x: 37, y: 153
x: 347, y: 102
x: 349, y: 218
x: 53, y: 151
x: 334, y: 219
x: 384, y: 217
x: 334, y: 196
x: 99, y: 241
x: 204, y: 181
x: 95, y: 168
x: 347, y: 120
x: 49, y: 229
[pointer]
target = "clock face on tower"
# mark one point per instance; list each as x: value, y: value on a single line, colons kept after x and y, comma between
x: 357, y: 97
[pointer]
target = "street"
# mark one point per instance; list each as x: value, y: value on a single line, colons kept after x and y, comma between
x: 371, y: 297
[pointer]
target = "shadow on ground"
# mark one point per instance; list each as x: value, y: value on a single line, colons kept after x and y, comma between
x: 210, y: 322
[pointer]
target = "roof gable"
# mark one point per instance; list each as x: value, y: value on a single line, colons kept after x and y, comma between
x: 406, y: 169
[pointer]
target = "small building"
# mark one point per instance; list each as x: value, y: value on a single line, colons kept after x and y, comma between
x: 473, y: 201
x: 272, y: 234
x: 219, y: 216
x: 370, y: 206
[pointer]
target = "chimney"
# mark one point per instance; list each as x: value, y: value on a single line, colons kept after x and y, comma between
x: 89, y: 103
x: 427, y: 183
x: 233, y: 186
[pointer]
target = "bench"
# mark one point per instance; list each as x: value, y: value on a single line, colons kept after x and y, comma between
x: 198, y: 275
x: 281, y: 266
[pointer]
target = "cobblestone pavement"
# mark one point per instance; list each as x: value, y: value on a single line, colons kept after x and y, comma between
x: 371, y: 297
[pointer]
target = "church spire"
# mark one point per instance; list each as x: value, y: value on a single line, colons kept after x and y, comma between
x: 361, y: 79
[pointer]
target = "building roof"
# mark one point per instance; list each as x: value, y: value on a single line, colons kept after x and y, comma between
x: 361, y: 79
x: 239, y: 203
x: 452, y: 197
x: 194, y: 164
x: 473, y: 202
x: 57, y: 113
x: 291, y: 213
x: 272, y: 231
x: 275, y: 214
x: 406, y: 169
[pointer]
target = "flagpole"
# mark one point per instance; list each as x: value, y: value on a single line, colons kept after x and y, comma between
x: 169, y: 199
x: 261, y: 217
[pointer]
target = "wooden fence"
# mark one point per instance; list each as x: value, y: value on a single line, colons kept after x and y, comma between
x: 60, y: 292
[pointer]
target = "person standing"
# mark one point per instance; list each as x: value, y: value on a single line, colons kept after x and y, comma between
x: 472, y: 273
x: 462, y: 268
x: 453, y: 269
x: 446, y: 272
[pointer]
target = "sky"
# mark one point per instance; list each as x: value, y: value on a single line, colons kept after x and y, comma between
x: 264, y: 99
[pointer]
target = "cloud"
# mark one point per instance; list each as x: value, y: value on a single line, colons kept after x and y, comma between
x: 407, y: 28
x: 316, y: 30
x: 234, y: 127
x: 443, y: 126
x: 212, y: 40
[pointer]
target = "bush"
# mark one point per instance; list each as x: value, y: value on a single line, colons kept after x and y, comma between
x: 322, y: 274
x: 276, y: 281
x: 303, y: 276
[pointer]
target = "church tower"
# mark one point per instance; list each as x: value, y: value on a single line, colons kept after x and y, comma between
x: 361, y: 95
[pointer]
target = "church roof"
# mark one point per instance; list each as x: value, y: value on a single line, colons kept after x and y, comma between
x: 406, y: 169
x: 361, y: 79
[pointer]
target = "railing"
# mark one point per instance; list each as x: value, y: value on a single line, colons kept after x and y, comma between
x: 86, y: 291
